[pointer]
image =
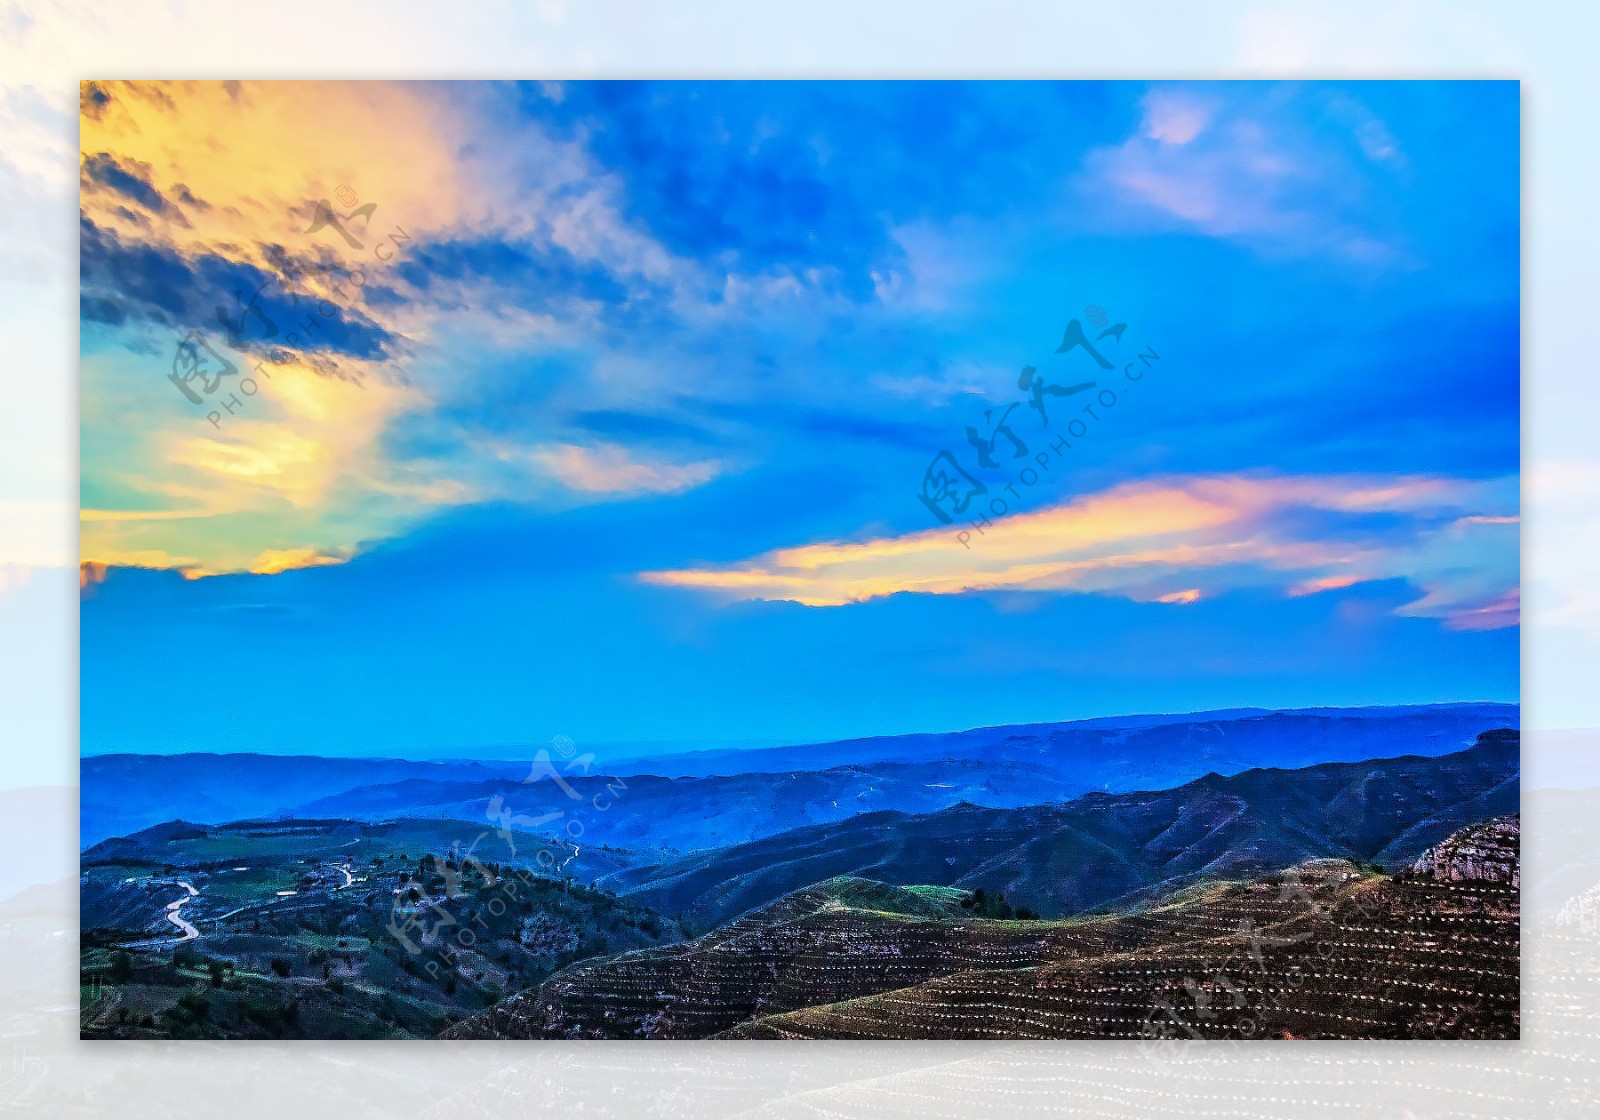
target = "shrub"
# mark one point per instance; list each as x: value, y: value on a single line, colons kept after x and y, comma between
x: 194, y: 1006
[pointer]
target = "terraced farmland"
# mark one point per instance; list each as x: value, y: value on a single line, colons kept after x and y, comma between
x: 1322, y: 950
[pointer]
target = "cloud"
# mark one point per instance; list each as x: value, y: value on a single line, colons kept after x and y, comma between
x: 276, y: 560
x: 301, y: 474
x: 197, y: 207
x: 252, y: 308
x: 1242, y: 168
x: 131, y: 181
x: 1173, y: 118
x: 1179, y: 540
x: 93, y: 573
x: 612, y: 470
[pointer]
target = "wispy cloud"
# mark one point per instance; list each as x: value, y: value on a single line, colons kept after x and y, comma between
x: 1179, y: 540
x: 1230, y: 165
x: 612, y: 469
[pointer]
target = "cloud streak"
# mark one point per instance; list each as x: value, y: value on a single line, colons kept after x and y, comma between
x: 1180, y: 540
x: 612, y: 470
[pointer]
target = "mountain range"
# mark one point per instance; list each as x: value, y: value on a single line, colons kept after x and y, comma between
x: 716, y: 798
x: 1104, y: 849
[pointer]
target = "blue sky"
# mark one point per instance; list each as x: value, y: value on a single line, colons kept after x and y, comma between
x: 621, y: 432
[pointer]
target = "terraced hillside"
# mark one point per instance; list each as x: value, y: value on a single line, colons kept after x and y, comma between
x: 1322, y: 950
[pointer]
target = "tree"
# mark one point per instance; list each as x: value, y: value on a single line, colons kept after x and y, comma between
x: 121, y: 967
x: 216, y: 974
x: 984, y: 905
x: 281, y: 966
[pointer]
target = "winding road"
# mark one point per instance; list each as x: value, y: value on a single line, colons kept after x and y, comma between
x: 173, y: 916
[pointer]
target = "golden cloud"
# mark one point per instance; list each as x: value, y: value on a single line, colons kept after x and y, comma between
x: 1156, y: 541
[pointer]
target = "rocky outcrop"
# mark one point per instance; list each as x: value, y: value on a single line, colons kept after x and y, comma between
x: 1487, y: 852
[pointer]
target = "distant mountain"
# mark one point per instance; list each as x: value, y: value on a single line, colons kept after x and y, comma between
x: 1102, y: 849
x: 1136, y: 752
x: 712, y: 812
x: 744, y: 795
x: 123, y: 793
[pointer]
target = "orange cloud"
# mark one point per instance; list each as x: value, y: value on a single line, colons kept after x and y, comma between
x: 1324, y: 583
x: 1147, y: 540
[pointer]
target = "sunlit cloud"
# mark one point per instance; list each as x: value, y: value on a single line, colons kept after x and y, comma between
x: 278, y: 560
x: 1180, y: 540
x: 611, y: 469
x: 301, y: 480
x: 199, y: 196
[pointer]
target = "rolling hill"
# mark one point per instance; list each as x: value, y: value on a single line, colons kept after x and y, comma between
x: 709, y: 812
x: 1321, y: 950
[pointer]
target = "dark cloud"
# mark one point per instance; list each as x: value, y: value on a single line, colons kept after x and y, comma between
x: 537, y: 279
x: 131, y: 180
x: 183, y: 195
x: 92, y: 100
x: 247, y: 308
x: 94, y: 309
x: 812, y: 179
